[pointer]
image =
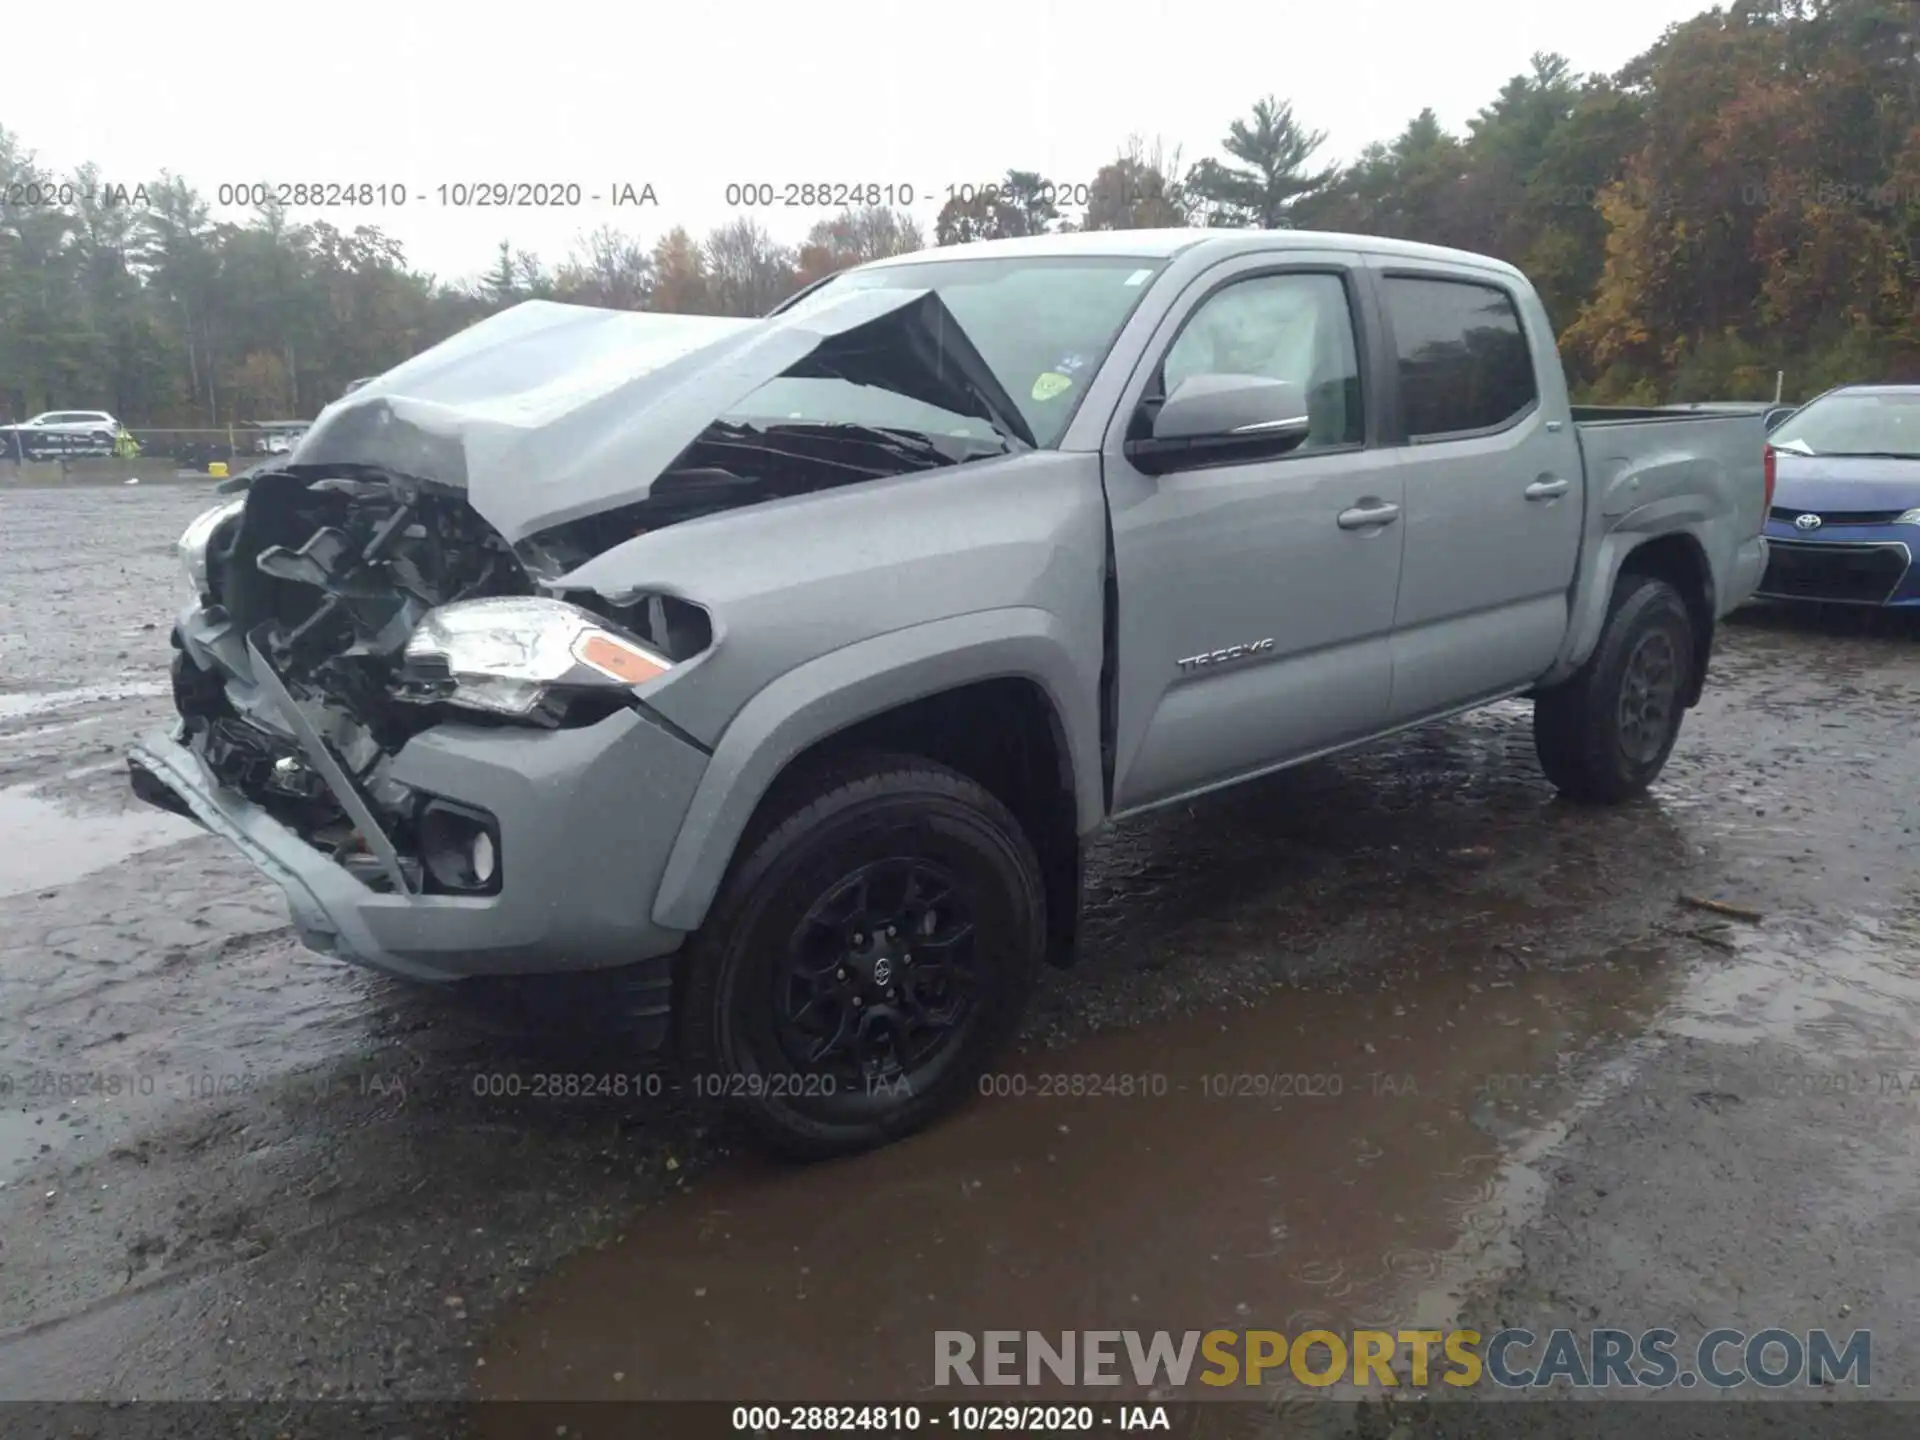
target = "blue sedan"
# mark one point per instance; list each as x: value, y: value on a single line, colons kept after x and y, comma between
x: 1845, y: 516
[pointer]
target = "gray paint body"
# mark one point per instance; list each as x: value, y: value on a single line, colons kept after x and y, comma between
x: 834, y: 607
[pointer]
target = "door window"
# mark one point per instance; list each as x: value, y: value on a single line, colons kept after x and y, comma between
x: 1463, y: 357
x: 1297, y: 328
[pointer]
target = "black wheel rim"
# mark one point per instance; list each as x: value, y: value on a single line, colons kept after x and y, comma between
x: 1648, y: 694
x: 878, y: 982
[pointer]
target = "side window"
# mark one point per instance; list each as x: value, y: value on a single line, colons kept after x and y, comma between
x: 1464, y: 361
x: 1284, y: 327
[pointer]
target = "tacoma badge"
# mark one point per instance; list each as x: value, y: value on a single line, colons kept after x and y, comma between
x: 1232, y: 652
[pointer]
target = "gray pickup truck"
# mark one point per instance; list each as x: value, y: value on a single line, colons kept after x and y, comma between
x: 782, y: 668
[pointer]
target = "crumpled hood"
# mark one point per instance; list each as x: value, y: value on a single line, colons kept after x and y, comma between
x: 546, y: 412
x: 1837, y: 482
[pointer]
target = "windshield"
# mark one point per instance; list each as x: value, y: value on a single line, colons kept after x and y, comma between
x: 1042, y: 325
x: 1855, y: 423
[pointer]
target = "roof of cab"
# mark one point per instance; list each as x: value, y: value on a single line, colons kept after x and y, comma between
x: 1165, y: 244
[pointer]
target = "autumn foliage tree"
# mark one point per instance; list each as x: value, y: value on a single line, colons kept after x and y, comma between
x: 1141, y: 188
x: 853, y: 237
x: 1741, y: 198
x: 1023, y: 203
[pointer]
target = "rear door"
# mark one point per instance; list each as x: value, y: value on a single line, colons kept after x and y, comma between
x: 1493, y: 486
x: 1255, y: 597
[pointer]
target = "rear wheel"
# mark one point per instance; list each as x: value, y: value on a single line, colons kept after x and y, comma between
x: 871, y: 950
x: 1606, y: 733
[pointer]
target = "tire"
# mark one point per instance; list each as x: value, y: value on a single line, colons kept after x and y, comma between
x: 1605, y: 734
x: 795, y: 953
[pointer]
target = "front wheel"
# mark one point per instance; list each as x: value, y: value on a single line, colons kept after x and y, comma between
x: 867, y: 956
x: 1606, y: 733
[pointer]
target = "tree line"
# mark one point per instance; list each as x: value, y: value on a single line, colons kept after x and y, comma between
x: 1743, y: 197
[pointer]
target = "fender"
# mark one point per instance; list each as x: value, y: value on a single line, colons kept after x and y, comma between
x: 1593, y: 588
x: 826, y: 695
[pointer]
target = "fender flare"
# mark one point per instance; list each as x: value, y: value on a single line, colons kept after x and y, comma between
x: 1593, y: 592
x: 826, y: 695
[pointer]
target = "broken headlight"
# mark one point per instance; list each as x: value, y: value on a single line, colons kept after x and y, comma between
x: 197, y: 538
x: 508, y: 655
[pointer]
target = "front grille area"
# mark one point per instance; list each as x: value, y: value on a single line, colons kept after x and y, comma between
x: 1849, y: 574
x: 1837, y: 517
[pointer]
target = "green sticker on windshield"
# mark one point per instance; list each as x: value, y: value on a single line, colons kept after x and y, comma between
x: 1050, y: 384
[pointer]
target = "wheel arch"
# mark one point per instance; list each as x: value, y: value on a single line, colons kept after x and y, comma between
x: 966, y: 692
x: 1676, y: 556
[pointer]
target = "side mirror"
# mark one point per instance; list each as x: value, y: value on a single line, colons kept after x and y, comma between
x: 1215, y: 418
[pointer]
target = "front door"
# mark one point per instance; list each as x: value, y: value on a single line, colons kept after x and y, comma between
x: 1255, y: 597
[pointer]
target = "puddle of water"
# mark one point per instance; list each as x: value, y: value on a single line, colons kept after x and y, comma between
x: 59, y: 847
x: 1853, y: 995
x: 1206, y: 1200
x: 39, y: 702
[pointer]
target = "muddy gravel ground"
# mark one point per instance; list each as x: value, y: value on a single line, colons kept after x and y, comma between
x: 1394, y: 1039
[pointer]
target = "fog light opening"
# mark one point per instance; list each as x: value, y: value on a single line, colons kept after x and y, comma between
x: 460, y: 848
x: 480, y: 858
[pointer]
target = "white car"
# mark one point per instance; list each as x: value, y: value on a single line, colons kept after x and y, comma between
x: 95, y: 425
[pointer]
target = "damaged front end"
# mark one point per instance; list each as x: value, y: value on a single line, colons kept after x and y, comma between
x: 343, y: 614
x: 400, y: 586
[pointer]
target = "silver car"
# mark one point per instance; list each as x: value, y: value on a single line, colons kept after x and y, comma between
x: 784, y: 667
x: 96, y: 426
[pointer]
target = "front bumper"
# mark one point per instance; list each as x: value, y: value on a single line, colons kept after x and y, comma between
x: 587, y: 818
x: 1842, y: 565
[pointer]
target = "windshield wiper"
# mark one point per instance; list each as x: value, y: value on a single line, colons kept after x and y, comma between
x: 909, y: 444
x: 1869, y: 455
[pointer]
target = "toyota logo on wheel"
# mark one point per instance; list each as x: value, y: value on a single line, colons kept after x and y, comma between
x: 1807, y: 522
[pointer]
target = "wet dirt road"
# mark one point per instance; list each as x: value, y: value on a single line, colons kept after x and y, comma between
x: 1386, y: 1041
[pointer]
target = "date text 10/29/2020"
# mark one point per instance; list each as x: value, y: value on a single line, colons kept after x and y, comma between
x: 957, y: 1419
x: 839, y: 195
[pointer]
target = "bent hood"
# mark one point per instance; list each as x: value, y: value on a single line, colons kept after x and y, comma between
x: 1840, y: 483
x: 546, y: 413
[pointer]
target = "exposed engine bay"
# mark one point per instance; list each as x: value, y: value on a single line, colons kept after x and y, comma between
x: 407, y: 565
x: 330, y: 571
x: 328, y: 576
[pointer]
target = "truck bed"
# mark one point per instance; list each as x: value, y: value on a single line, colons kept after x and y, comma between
x: 1637, y: 457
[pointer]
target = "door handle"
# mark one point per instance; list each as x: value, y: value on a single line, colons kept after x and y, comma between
x: 1547, y: 489
x: 1360, y: 517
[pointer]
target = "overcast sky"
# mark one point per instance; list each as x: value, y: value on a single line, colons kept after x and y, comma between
x: 691, y: 97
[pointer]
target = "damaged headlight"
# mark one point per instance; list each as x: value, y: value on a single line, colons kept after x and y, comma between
x: 507, y: 655
x: 198, y: 536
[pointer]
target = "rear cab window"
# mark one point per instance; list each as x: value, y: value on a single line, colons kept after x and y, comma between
x: 1461, y: 354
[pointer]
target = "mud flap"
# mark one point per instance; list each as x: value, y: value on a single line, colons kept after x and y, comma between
x: 1062, y: 869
